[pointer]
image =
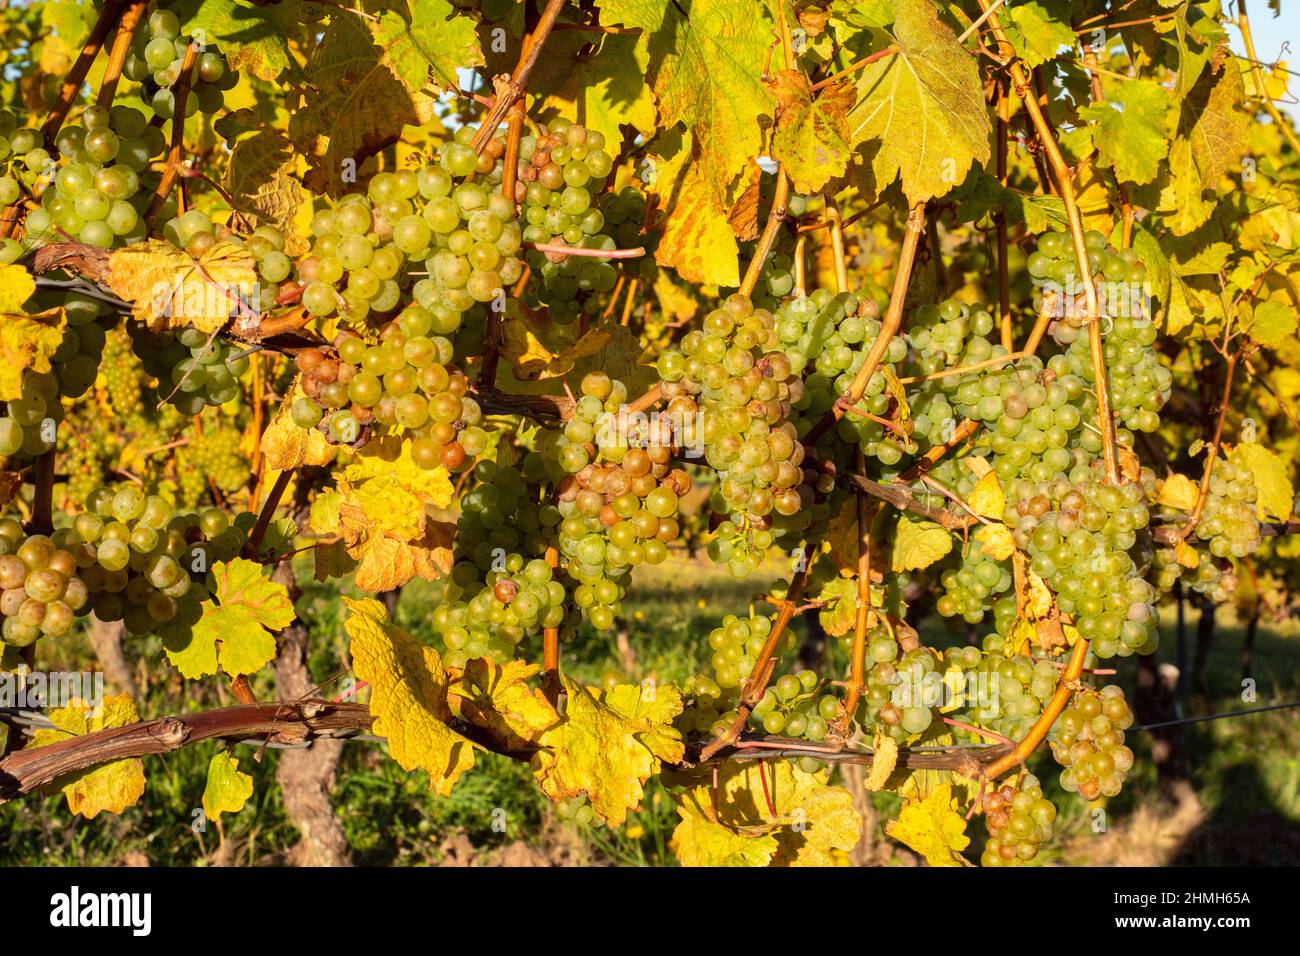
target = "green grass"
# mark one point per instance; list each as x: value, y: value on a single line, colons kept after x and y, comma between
x: 1245, y: 770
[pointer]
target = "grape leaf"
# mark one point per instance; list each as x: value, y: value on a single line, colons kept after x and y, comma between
x: 354, y: 105
x: 261, y: 182
x: 1038, y: 29
x: 986, y: 498
x: 233, y: 629
x: 1129, y: 129
x: 705, y: 64
x: 16, y: 287
x: 825, y: 825
x: 884, y: 758
x: 599, y: 751
x: 697, y: 239
x: 27, y: 341
x: 253, y: 37
x: 1178, y: 491
x: 112, y: 786
x: 698, y: 840
x: 286, y: 446
x: 933, y: 828
x: 811, y: 139
x: 920, y: 112
x: 1271, y: 323
x: 918, y: 544
x: 423, y: 38
x: 839, y: 606
x: 168, y: 288
x: 228, y: 788
x: 996, y: 541
x: 498, y: 698
x: 1271, y: 477
x: 408, y: 695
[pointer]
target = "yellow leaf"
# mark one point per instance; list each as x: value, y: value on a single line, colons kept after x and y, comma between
x: 27, y: 341
x: 884, y: 757
x: 498, y: 698
x: 112, y: 786
x: 986, y: 497
x: 697, y: 241
x: 169, y: 288
x: 996, y: 541
x: 1271, y: 478
x: 1186, y: 555
x: 16, y: 287
x: 933, y: 828
x: 385, y: 562
x: 1178, y: 491
x: 408, y: 695
x: 699, y: 840
x: 228, y: 788
x: 918, y: 544
x: 286, y: 446
x: 600, y: 752
x: 390, y: 458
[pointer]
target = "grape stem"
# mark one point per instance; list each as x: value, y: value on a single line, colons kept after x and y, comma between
x: 761, y: 673
x: 554, y: 248
x: 42, y: 520
x: 1064, y: 182
x: 889, y: 326
x: 180, y: 93
x: 933, y: 456
x: 107, y: 20
x: 1212, y: 455
x: 267, y: 513
x: 510, y: 88
x: 866, y: 513
x: 1029, y: 743
x: 117, y: 55
x: 1000, y: 217
x: 775, y: 216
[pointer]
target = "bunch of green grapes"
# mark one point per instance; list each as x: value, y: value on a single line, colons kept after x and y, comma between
x: 500, y: 591
x: 578, y: 811
x: 619, y: 500
x: 193, y: 369
x: 968, y: 587
x: 559, y: 173
x: 1139, y: 384
x: 1019, y: 820
x: 213, y: 455
x: 775, y: 282
x: 1088, y: 741
x: 142, y: 562
x: 1212, y: 576
x: 404, y: 381
x: 746, y: 388
x: 797, y: 705
x: 40, y: 591
x: 736, y: 644
x: 76, y: 360
x: 1229, y: 524
x: 123, y: 377
x: 901, y: 695
x: 1006, y: 690
x: 827, y: 337
x: 943, y: 337
x: 1052, y: 266
x: 25, y: 170
x: 157, y: 57
x: 1078, y: 534
x: 28, y: 427
x: 103, y: 185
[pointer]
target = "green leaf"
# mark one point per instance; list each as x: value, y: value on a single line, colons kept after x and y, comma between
x: 1129, y: 130
x: 233, y: 630
x: 839, y: 606
x: 918, y: 544
x: 920, y: 113
x: 1271, y: 477
x: 253, y: 37
x: 1038, y: 29
x: 1272, y: 323
x: 706, y: 59
x: 354, y: 106
x: 426, y: 38
x: 228, y: 788
x: 261, y: 181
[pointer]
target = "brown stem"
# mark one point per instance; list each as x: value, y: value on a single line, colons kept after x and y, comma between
x: 761, y: 673
x: 1064, y: 181
x: 560, y: 249
x: 855, y: 66
x: 963, y: 431
x: 1212, y: 455
x: 1029, y: 743
x: 837, y: 246
x: 509, y: 90
x: 107, y: 20
x: 1000, y: 219
x: 905, y: 500
x: 866, y: 510
x: 775, y: 216
x: 130, y: 19
x: 42, y: 521
x: 889, y: 326
x: 180, y: 93
x: 268, y: 510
